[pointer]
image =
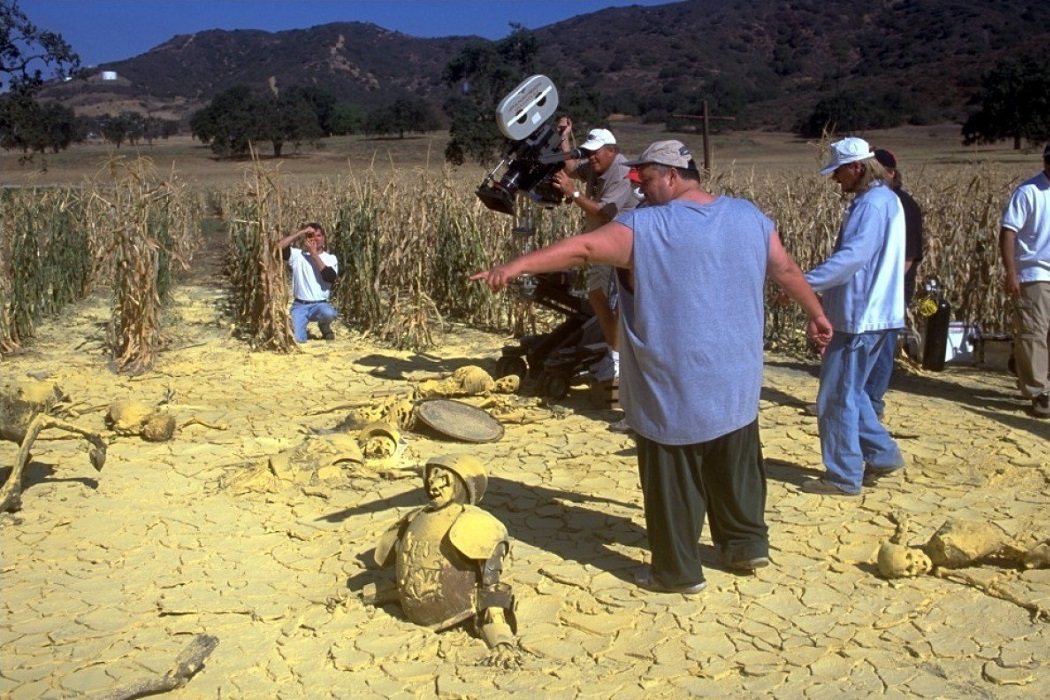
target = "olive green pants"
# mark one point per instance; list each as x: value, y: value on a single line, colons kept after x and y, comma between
x: 724, y: 479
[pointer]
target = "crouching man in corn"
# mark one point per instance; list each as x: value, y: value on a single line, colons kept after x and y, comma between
x: 314, y: 271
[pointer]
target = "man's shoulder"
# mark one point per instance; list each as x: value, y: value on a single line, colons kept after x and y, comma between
x: 1039, y: 183
x: 617, y: 170
x: 877, y: 195
x: 739, y: 207
x: 734, y: 207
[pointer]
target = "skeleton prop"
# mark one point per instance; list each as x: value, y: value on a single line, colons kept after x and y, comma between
x: 957, y: 544
x: 25, y: 408
x: 132, y: 417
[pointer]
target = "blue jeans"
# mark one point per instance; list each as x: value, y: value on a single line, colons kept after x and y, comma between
x: 879, y: 381
x: 850, y: 433
x: 304, y: 312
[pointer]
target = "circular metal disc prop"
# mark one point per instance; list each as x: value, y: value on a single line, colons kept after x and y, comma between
x: 459, y: 420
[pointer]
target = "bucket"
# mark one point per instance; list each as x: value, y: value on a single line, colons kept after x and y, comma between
x: 961, y: 340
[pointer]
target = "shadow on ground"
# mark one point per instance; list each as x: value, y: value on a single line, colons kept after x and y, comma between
x: 569, y: 525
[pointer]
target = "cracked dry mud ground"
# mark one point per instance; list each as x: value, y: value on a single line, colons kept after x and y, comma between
x: 107, y: 576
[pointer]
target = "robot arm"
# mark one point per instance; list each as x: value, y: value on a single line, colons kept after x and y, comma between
x: 497, y: 622
x: 480, y: 537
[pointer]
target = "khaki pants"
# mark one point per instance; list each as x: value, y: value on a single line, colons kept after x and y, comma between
x: 1032, y: 316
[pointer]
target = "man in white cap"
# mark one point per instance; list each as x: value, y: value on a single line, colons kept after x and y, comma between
x: 1024, y: 240
x: 863, y: 295
x: 605, y: 192
x: 692, y: 313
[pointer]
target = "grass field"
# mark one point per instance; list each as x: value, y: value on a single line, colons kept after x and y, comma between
x: 916, y: 148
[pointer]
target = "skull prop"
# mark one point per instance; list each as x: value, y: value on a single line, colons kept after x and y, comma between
x: 898, y: 561
x: 132, y: 417
x: 509, y: 384
x: 158, y: 427
x: 379, y: 440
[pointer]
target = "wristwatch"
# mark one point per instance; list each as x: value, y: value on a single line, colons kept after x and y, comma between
x: 576, y: 194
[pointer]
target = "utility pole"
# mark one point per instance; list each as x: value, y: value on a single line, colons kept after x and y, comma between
x: 706, y: 119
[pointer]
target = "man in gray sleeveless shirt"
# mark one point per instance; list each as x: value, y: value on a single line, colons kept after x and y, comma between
x: 693, y: 267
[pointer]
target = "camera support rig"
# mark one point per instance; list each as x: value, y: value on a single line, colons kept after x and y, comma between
x: 526, y: 117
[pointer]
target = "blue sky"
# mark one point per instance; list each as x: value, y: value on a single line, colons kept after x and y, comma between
x: 111, y: 30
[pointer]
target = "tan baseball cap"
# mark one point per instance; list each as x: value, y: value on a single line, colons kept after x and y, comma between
x: 672, y: 153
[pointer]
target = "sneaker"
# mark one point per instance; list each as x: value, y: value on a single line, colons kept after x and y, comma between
x: 872, y: 475
x: 823, y: 487
x: 1041, y: 406
x: 606, y: 369
x: 644, y: 578
x: 326, y: 333
x: 620, y: 426
x: 748, y: 564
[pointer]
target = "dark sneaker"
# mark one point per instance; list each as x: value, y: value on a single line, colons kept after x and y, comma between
x: 823, y: 487
x: 644, y: 578
x: 1041, y: 406
x: 326, y: 333
x: 872, y: 476
x: 748, y: 564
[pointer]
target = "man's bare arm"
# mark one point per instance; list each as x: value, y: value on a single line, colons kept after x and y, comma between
x: 782, y: 269
x: 610, y: 244
x: 1008, y: 247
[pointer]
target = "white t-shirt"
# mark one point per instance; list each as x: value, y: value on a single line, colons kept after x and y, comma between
x: 1028, y: 215
x: 307, y: 284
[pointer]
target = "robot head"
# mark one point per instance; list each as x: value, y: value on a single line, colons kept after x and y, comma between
x: 470, y: 472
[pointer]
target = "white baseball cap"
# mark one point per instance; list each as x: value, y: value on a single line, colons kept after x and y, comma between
x: 596, y: 138
x: 848, y: 150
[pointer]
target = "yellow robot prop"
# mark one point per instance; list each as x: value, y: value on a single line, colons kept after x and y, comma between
x: 448, y: 558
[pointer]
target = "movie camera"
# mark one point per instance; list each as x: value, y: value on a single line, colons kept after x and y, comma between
x: 556, y: 360
x: 526, y: 116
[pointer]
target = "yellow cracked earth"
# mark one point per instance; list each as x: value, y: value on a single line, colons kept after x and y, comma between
x: 108, y: 576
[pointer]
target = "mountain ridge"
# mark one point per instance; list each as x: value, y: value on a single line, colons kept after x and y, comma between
x: 767, y: 62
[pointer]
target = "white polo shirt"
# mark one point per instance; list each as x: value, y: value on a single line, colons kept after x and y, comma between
x: 1028, y: 216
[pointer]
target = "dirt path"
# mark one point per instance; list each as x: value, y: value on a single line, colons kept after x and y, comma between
x: 107, y: 577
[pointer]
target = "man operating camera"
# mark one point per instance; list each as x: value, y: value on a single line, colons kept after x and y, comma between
x: 604, y: 193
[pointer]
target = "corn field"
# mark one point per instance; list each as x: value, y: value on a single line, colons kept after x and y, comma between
x: 127, y: 228
x: 406, y: 243
x: 961, y: 207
